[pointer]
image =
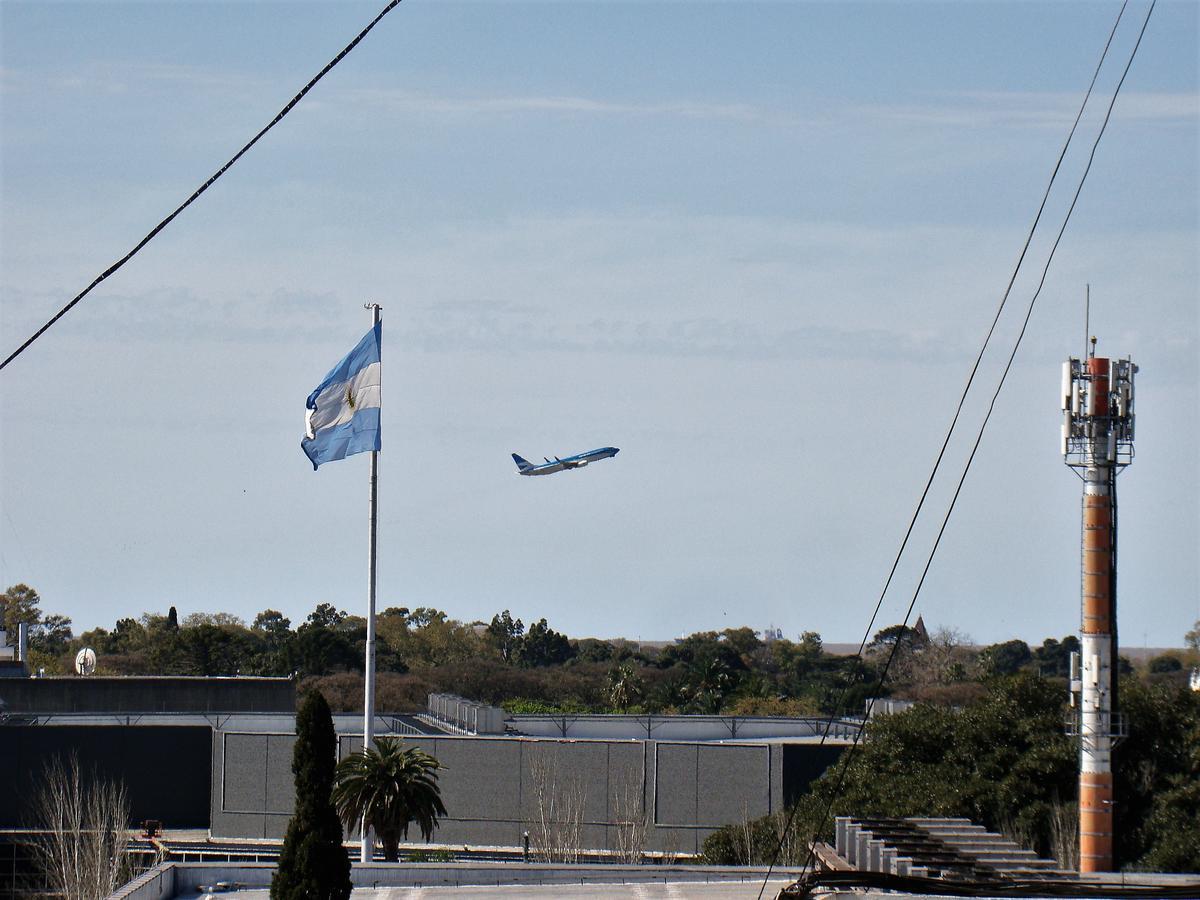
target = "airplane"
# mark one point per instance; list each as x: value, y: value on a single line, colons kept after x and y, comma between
x: 525, y: 467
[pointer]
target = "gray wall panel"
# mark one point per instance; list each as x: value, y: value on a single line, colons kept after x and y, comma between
x: 672, y: 840
x: 275, y: 826
x: 242, y: 825
x: 628, y: 782
x: 281, y: 782
x: 482, y: 777
x: 675, y: 784
x: 578, y: 770
x: 736, y: 783
x: 245, y: 773
x: 776, y: 777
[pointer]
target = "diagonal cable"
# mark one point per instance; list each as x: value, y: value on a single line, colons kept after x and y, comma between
x: 204, y: 187
x: 979, y: 436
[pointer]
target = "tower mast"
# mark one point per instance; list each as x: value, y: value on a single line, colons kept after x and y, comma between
x: 1097, y: 441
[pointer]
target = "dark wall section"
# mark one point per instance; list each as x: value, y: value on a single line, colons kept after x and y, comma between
x: 167, y: 770
x: 802, y: 765
x: 146, y: 695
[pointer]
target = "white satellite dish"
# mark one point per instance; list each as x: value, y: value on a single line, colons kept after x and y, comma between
x: 85, y: 661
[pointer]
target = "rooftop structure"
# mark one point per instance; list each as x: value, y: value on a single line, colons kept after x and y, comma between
x: 14, y: 653
x: 189, y: 881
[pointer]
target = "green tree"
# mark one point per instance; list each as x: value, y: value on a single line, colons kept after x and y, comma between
x: 208, y: 649
x: 1168, y: 662
x: 625, y: 688
x: 326, y: 615
x: 313, y: 864
x: 711, y: 683
x: 273, y: 631
x: 127, y: 636
x: 543, y: 646
x: 220, y: 619
x: 505, y: 634
x: 896, y: 634
x: 1053, y: 658
x: 20, y: 603
x: 1003, y: 659
x: 51, y: 635
x: 48, y: 635
x: 592, y: 650
x: 744, y: 641
x: 325, y: 643
x: 1156, y: 770
x: 392, y: 787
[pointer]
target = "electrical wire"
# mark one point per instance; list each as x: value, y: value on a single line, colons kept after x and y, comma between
x: 979, y: 437
x: 204, y: 187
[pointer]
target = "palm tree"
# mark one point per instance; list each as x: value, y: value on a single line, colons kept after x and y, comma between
x: 624, y: 687
x: 390, y: 786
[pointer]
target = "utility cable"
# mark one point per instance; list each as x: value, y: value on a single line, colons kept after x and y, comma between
x: 958, y: 412
x: 979, y: 437
x: 204, y: 187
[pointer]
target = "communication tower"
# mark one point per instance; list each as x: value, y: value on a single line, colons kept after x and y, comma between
x: 1097, y: 441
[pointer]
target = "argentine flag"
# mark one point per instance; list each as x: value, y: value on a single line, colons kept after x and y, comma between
x: 343, y: 412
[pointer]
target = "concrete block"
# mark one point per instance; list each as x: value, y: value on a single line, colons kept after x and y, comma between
x: 863, y: 856
x: 887, y: 859
x: 874, y: 851
x: 851, y: 851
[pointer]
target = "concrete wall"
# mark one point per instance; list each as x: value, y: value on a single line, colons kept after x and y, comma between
x: 172, y: 879
x: 491, y: 786
x: 147, y: 695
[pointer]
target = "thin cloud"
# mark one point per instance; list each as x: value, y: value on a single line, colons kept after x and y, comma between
x: 415, y: 102
x: 1013, y: 109
x: 123, y: 78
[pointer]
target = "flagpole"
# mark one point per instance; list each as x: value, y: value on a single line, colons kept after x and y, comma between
x: 369, y: 668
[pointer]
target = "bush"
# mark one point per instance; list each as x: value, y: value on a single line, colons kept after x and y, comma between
x: 1165, y: 663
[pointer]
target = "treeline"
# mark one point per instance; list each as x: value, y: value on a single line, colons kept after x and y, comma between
x: 538, y: 669
x: 1003, y: 761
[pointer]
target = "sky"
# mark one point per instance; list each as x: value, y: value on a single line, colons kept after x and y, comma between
x: 755, y: 246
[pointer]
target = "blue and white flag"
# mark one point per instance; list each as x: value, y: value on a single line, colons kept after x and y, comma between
x: 343, y: 412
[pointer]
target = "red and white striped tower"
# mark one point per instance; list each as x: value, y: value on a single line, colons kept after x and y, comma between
x: 1097, y: 441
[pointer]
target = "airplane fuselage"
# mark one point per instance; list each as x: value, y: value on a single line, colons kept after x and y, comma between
x: 578, y: 461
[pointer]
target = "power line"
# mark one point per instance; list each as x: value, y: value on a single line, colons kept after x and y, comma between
x: 954, y: 421
x: 204, y: 187
x: 979, y: 437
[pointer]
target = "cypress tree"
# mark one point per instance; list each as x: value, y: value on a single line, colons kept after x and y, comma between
x: 313, y: 864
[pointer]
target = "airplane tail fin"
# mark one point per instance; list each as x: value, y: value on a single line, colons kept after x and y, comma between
x: 522, y: 463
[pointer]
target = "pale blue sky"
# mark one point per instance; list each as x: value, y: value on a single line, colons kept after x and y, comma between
x: 754, y: 246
